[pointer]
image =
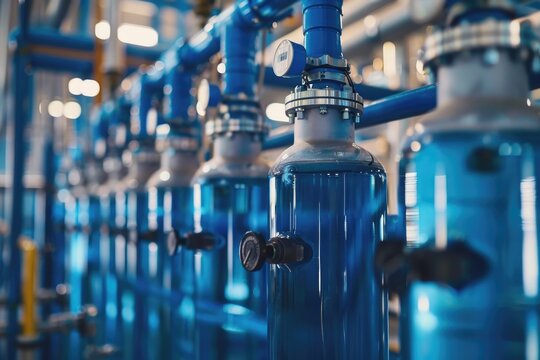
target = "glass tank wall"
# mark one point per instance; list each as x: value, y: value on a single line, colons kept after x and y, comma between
x: 332, y: 195
x: 134, y: 252
x: 230, y: 198
x: 469, y: 174
x: 170, y: 208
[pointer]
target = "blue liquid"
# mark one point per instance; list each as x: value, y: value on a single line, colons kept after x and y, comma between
x: 77, y: 268
x: 108, y: 266
x: 170, y: 321
x: 124, y: 291
x: 134, y: 298
x: 96, y: 279
x: 452, y: 193
x: 331, y: 307
x: 230, y: 302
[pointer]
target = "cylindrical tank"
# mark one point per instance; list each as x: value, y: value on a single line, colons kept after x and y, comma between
x: 133, y: 197
x: 331, y: 194
x: 327, y: 210
x: 230, y: 198
x: 170, y: 208
x: 468, y: 174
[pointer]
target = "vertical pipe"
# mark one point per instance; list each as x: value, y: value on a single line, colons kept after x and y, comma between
x: 238, y: 44
x: 53, y: 254
x: 29, y: 323
x: 17, y: 159
x: 177, y: 91
x: 322, y: 27
x: 99, y: 55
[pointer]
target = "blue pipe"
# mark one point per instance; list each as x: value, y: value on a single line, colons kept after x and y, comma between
x: 21, y: 108
x: 151, y: 90
x: 400, y: 106
x: 53, y: 38
x: 178, y: 93
x: 61, y: 64
x: 238, y: 44
x: 244, y: 13
x: 322, y: 27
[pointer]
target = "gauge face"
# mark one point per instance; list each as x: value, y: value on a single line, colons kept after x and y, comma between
x: 289, y: 59
x: 283, y: 58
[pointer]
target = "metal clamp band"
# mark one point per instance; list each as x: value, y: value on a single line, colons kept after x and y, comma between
x: 489, y: 34
x: 327, y: 60
x: 223, y: 126
x: 327, y: 75
x: 177, y: 143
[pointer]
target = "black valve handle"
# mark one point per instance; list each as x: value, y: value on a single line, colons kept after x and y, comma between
x: 202, y: 240
x: 458, y: 265
x: 281, y: 249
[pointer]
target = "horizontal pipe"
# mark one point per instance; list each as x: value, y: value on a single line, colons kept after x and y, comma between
x: 61, y: 64
x: 58, y: 40
x: 368, y: 92
x: 206, y: 43
x: 400, y: 106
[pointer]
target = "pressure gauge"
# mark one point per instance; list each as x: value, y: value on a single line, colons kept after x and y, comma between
x: 208, y: 95
x: 289, y: 59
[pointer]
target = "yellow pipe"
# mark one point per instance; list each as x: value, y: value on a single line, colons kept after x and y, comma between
x: 30, y: 259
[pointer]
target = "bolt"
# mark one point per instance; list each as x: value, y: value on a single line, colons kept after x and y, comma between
x: 300, y: 115
x: 323, y: 110
x: 346, y: 114
x: 291, y: 118
x: 357, y: 119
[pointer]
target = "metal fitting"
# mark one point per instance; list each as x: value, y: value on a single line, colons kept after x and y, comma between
x: 346, y: 115
x: 323, y: 99
x: 327, y: 61
x: 225, y: 126
x: 490, y: 35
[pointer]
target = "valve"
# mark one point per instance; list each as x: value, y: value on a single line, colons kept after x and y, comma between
x: 148, y: 235
x: 289, y: 60
x: 194, y: 241
x: 83, y: 321
x: 282, y: 249
x: 101, y: 352
x: 458, y: 265
x: 59, y: 294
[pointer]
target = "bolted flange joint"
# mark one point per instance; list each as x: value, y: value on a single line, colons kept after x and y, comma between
x: 349, y: 103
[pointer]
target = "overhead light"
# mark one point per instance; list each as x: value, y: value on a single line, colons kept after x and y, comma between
x: 164, y: 176
x: 90, y: 88
x: 276, y: 112
x: 201, y: 110
x: 163, y: 129
x: 103, y: 30
x: 125, y: 84
x: 72, y: 110
x: 75, y: 86
x: 138, y: 35
x: 389, y: 59
x: 55, y: 108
